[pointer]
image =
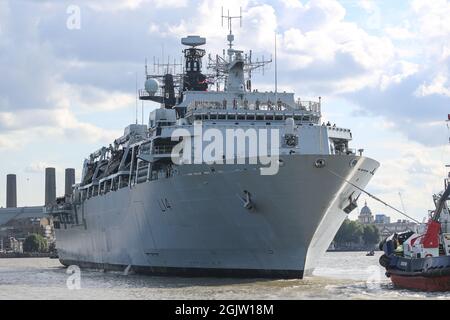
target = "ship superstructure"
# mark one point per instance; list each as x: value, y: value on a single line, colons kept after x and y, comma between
x: 161, y: 200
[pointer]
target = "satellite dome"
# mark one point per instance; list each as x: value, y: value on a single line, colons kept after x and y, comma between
x: 151, y: 86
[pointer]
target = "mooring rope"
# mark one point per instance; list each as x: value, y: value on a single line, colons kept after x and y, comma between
x: 372, y: 196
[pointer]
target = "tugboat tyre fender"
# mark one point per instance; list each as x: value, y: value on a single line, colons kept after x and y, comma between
x: 384, y: 261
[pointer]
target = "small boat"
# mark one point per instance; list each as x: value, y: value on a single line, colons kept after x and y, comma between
x: 370, y: 253
x: 421, y: 260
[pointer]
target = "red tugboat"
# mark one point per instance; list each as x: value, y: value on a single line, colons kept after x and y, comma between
x: 421, y: 261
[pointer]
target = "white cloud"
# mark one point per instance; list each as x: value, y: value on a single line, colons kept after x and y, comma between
x: 117, y: 5
x: 170, y: 3
x: 439, y: 85
x: 292, y: 3
x: 415, y: 171
x: 367, y: 5
x: 432, y: 17
x: 85, y: 98
x: 399, y: 33
x: 24, y: 127
x: 429, y: 26
x: 38, y: 167
x: 346, y: 57
x: 400, y: 71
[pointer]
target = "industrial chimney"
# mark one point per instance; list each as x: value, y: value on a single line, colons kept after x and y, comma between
x: 69, y: 181
x: 50, y: 186
x: 11, y: 191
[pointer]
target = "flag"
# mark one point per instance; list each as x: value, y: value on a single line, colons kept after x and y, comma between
x: 448, y: 117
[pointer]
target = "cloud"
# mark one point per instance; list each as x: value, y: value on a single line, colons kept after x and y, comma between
x: 292, y: 3
x: 414, y: 89
x: 38, y: 167
x: 324, y: 54
x: 384, y: 73
x: 23, y: 127
x: 439, y: 86
x: 413, y: 170
x: 399, y: 33
x: 43, y: 93
x: 116, y: 5
x: 432, y: 17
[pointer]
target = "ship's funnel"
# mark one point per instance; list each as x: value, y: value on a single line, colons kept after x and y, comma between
x: 69, y: 181
x: 11, y: 191
x: 50, y: 186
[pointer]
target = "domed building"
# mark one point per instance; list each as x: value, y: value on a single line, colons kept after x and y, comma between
x: 365, y: 216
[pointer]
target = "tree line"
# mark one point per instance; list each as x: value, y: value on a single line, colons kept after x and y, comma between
x: 35, y: 243
x: 352, y: 232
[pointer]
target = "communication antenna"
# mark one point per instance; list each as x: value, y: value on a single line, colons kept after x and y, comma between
x: 263, y: 68
x: 166, y: 67
x: 146, y: 69
x: 162, y: 51
x: 229, y: 18
x: 250, y: 61
x: 142, y: 111
x: 136, y: 97
x: 448, y: 128
x: 401, y: 201
x: 276, y: 68
x: 168, y: 64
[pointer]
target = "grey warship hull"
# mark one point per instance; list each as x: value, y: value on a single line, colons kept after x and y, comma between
x: 195, y: 224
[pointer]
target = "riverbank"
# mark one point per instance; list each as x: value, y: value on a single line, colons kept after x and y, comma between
x: 10, y: 255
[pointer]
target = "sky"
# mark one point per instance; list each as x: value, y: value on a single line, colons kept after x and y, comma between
x: 69, y: 69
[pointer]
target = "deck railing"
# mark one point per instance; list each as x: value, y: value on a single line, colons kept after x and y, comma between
x: 306, y: 106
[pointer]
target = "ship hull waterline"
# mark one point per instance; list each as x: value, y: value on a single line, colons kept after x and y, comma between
x: 421, y: 283
x: 197, y: 225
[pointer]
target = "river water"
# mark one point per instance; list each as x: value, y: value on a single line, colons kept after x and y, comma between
x: 340, y: 275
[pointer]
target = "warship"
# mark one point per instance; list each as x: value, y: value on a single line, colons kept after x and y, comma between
x: 159, y: 200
